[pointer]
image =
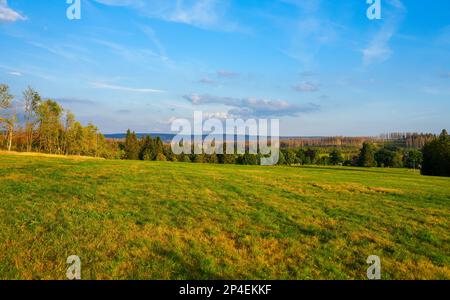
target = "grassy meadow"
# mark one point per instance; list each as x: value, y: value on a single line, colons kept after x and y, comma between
x: 155, y: 220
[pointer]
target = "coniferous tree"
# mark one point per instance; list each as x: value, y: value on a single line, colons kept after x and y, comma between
x: 336, y: 157
x: 436, y: 156
x: 282, y: 158
x: 159, y: 146
x: 301, y: 157
x: 131, y: 147
x: 148, y: 149
x: 367, y: 156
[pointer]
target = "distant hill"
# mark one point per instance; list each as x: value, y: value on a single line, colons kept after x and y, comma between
x: 406, y: 140
x: 167, y: 137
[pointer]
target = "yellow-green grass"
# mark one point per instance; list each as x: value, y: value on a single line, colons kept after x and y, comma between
x: 155, y: 220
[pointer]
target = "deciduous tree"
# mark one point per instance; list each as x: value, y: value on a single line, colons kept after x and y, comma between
x: 32, y: 101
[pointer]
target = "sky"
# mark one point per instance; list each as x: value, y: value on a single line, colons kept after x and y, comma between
x: 321, y: 67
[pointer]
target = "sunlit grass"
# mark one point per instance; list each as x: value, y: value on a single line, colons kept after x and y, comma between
x: 151, y: 220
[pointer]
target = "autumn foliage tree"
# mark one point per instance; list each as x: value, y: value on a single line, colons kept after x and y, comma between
x: 7, y: 118
x: 44, y: 128
x: 31, y: 100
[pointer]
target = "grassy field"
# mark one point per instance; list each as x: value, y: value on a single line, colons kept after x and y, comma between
x: 138, y: 220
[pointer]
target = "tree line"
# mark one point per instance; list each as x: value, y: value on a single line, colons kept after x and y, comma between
x: 153, y: 149
x: 46, y: 127
x: 404, y: 140
x: 432, y: 159
x: 369, y: 156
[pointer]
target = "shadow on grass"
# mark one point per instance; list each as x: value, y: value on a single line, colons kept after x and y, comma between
x: 363, y: 170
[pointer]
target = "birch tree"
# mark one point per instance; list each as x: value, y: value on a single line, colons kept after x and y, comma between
x: 6, y: 117
x: 32, y: 101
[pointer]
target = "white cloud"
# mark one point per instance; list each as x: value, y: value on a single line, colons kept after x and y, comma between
x: 252, y: 107
x: 100, y: 85
x: 9, y: 15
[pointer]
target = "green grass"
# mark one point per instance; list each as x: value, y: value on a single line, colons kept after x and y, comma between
x: 139, y: 220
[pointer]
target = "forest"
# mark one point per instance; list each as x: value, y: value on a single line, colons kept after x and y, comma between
x: 43, y: 125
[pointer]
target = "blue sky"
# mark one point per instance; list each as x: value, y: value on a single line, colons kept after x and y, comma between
x: 320, y: 66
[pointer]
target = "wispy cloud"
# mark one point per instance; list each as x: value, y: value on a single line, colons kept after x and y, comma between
x: 309, y: 32
x: 206, y: 14
x: 252, y: 107
x: 207, y: 80
x: 151, y: 34
x: 14, y: 73
x: 216, y: 115
x: 107, y: 86
x: 219, y: 77
x: 378, y: 48
x: 130, y: 54
x: 308, y: 6
x: 434, y: 90
x: 70, y: 51
x: 444, y: 36
x: 308, y: 73
x: 306, y: 87
x: 71, y: 100
x: 124, y: 111
x: 30, y: 71
x: 7, y: 14
x: 227, y: 74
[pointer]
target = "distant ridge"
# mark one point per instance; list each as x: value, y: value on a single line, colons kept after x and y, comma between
x: 167, y: 137
x: 407, y: 140
x: 163, y: 136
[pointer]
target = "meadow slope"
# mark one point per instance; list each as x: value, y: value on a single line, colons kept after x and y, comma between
x: 150, y: 220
